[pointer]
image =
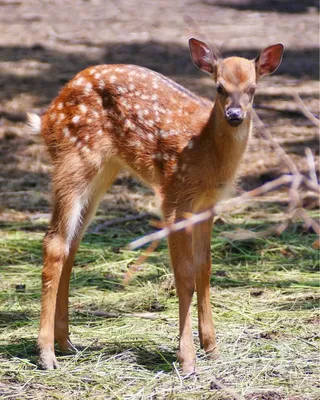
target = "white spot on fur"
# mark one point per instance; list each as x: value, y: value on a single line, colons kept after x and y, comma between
x: 97, y: 75
x: 76, y: 119
x: 85, y: 149
x: 61, y: 117
x: 66, y: 132
x: 88, y: 88
x: 60, y: 106
x: 83, y: 108
x: 53, y: 116
x: 126, y: 105
x: 150, y: 122
x: 128, y: 124
x: 166, y: 156
x: 137, y: 106
x: 86, y: 138
x: 108, y: 125
x: 154, y: 97
x: 131, y: 87
x: 99, y: 133
x: 122, y: 90
x: 73, y: 139
x: 79, y: 81
x: 136, y: 143
x: 113, y: 78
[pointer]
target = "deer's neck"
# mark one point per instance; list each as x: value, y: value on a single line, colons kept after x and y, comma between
x: 225, y: 144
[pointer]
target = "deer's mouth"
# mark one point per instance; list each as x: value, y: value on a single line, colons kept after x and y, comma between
x: 234, y: 122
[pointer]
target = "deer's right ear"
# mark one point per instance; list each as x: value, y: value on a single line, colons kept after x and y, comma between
x: 202, y: 56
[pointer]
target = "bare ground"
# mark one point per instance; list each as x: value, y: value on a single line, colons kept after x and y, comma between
x: 43, y: 44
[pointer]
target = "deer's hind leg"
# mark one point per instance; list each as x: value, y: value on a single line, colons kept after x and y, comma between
x: 76, y: 197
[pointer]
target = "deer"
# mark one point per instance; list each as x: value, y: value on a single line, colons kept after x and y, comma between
x: 186, y: 148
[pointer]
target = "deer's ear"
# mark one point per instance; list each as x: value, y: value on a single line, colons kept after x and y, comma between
x: 202, y: 56
x: 269, y: 60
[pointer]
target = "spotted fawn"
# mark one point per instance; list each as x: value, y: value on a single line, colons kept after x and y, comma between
x: 110, y: 117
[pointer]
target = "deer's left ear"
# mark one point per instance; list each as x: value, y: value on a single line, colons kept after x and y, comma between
x: 202, y: 56
x: 269, y: 60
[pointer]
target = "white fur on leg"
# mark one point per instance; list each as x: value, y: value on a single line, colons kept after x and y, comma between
x: 74, y: 219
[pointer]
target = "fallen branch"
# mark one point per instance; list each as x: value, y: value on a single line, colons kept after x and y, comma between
x: 196, y: 218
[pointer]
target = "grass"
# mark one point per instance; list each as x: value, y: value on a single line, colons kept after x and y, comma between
x: 264, y: 294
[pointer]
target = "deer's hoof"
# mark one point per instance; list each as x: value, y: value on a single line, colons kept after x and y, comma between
x: 48, y: 359
x: 213, y: 353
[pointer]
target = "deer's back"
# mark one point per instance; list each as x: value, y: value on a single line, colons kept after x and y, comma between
x: 134, y: 114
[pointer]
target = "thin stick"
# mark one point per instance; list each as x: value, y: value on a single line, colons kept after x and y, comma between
x: 196, y: 218
x: 128, y: 276
x: 305, y: 110
x: 311, y: 165
x: 117, y: 221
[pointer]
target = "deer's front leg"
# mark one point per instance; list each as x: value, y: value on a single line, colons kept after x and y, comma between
x: 180, y: 246
x: 202, y: 262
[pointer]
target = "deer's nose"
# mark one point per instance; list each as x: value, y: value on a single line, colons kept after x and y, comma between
x: 234, y: 113
x: 234, y: 116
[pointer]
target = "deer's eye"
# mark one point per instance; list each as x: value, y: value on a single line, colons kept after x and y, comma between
x: 220, y: 89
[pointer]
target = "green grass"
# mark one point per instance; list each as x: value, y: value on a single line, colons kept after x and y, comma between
x: 265, y: 298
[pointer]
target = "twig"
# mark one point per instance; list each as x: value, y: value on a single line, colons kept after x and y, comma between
x: 305, y: 110
x: 282, y: 110
x: 128, y: 276
x: 292, y: 167
x: 196, y: 218
x: 311, y: 165
x: 116, y: 221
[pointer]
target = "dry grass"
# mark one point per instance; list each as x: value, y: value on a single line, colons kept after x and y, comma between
x: 264, y: 299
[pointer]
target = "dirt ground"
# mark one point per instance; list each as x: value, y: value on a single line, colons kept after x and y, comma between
x: 44, y: 43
